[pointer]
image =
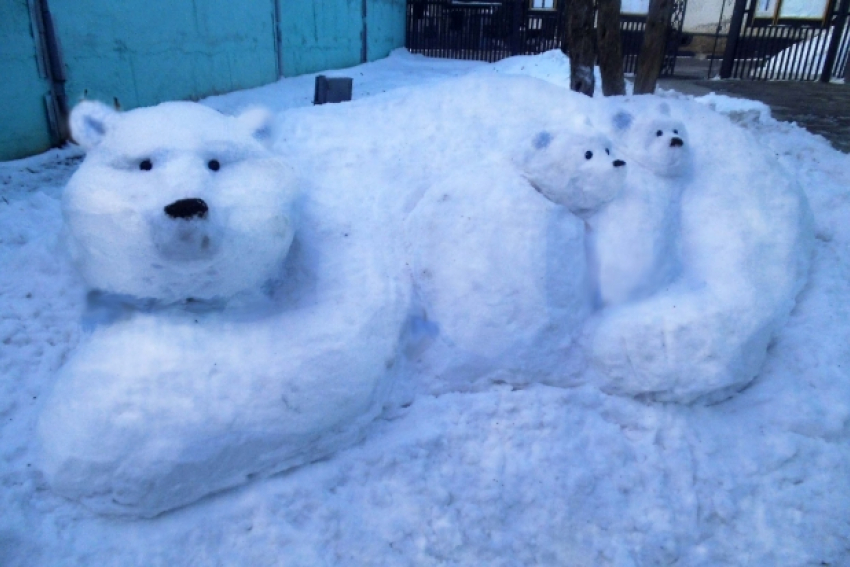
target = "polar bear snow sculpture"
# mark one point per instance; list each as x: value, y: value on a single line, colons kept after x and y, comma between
x: 159, y: 209
x: 742, y: 233
x: 497, y: 256
x: 283, y: 355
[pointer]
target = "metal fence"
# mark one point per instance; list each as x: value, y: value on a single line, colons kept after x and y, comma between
x: 786, y: 49
x: 489, y: 31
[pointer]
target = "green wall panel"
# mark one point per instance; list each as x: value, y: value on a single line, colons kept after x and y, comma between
x: 386, y: 26
x: 25, y: 130
x: 141, y: 52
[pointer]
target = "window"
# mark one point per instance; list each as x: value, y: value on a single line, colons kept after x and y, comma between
x: 541, y: 4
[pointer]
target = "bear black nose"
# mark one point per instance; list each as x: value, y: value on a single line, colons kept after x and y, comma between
x: 619, y: 163
x: 187, y: 208
x: 676, y: 143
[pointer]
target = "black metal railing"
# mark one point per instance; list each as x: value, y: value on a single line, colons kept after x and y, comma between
x: 787, y: 50
x: 489, y: 31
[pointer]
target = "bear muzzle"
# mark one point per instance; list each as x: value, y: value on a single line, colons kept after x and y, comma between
x: 676, y: 143
x: 187, y: 209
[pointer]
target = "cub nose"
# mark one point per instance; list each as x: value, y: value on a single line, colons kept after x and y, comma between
x: 619, y: 163
x: 676, y: 143
x: 187, y: 208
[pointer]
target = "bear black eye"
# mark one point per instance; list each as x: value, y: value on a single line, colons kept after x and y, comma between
x: 213, y: 165
x: 588, y: 154
x: 607, y: 151
x: 675, y: 131
x: 659, y: 133
x: 145, y: 165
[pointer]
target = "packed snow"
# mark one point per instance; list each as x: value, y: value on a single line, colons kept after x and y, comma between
x: 469, y: 353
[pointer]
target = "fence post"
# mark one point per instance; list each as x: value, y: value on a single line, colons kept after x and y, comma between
x: 515, y: 28
x: 835, y: 42
x: 732, y: 39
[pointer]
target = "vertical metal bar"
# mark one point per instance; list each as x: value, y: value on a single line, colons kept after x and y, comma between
x: 515, y: 27
x: 732, y: 40
x: 364, y: 40
x: 837, y: 32
x: 278, y: 47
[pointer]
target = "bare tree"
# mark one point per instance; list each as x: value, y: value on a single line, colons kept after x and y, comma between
x: 654, y: 43
x: 580, y: 46
x: 610, y: 47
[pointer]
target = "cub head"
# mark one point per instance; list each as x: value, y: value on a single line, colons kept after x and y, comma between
x: 576, y: 170
x: 655, y: 141
x: 177, y: 201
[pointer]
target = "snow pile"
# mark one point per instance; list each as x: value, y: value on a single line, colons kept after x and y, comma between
x: 468, y: 466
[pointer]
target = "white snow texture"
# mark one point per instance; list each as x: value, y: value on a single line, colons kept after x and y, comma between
x: 474, y: 320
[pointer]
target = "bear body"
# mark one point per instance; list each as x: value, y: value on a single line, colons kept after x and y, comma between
x: 285, y: 352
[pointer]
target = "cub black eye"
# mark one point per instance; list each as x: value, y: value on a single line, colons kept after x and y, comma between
x: 607, y: 151
x: 588, y: 155
x: 213, y: 165
x: 675, y: 131
x: 659, y: 133
x: 145, y: 165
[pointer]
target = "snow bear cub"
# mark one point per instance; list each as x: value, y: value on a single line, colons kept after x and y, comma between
x: 177, y: 201
x: 636, y: 240
x: 498, y: 259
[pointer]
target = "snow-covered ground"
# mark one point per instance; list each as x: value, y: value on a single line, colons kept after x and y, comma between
x: 499, y: 474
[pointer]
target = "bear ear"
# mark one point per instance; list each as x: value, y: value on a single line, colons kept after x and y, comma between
x: 622, y: 121
x: 90, y: 121
x: 664, y: 109
x: 258, y: 121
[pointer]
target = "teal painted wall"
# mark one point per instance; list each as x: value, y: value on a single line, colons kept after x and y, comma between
x: 386, y: 21
x: 142, y: 52
x: 319, y: 34
x: 326, y: 34
x: 24, y: 129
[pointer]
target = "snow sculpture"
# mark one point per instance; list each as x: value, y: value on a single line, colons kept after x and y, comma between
x: 743, y: 238
x: 497, y: 256
x: 284, y: 352
x: 635, y: 240
x: 170, y: 218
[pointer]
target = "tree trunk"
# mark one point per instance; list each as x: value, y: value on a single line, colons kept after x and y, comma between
x: 654, y: 44
x: 610, y: 48
x: 580, y: 46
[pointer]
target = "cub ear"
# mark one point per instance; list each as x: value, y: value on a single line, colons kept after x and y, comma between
x: 90, y: 121
x: 622, y: 121
x: 258, y: 121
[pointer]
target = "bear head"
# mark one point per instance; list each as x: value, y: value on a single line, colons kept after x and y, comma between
x: 177, y: 201
x: 655, y: 140
x: 574, y: 168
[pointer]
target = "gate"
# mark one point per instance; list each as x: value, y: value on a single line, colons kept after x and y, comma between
x: 493, y: 30
x: 787, y: 40
x: 484, y: 31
